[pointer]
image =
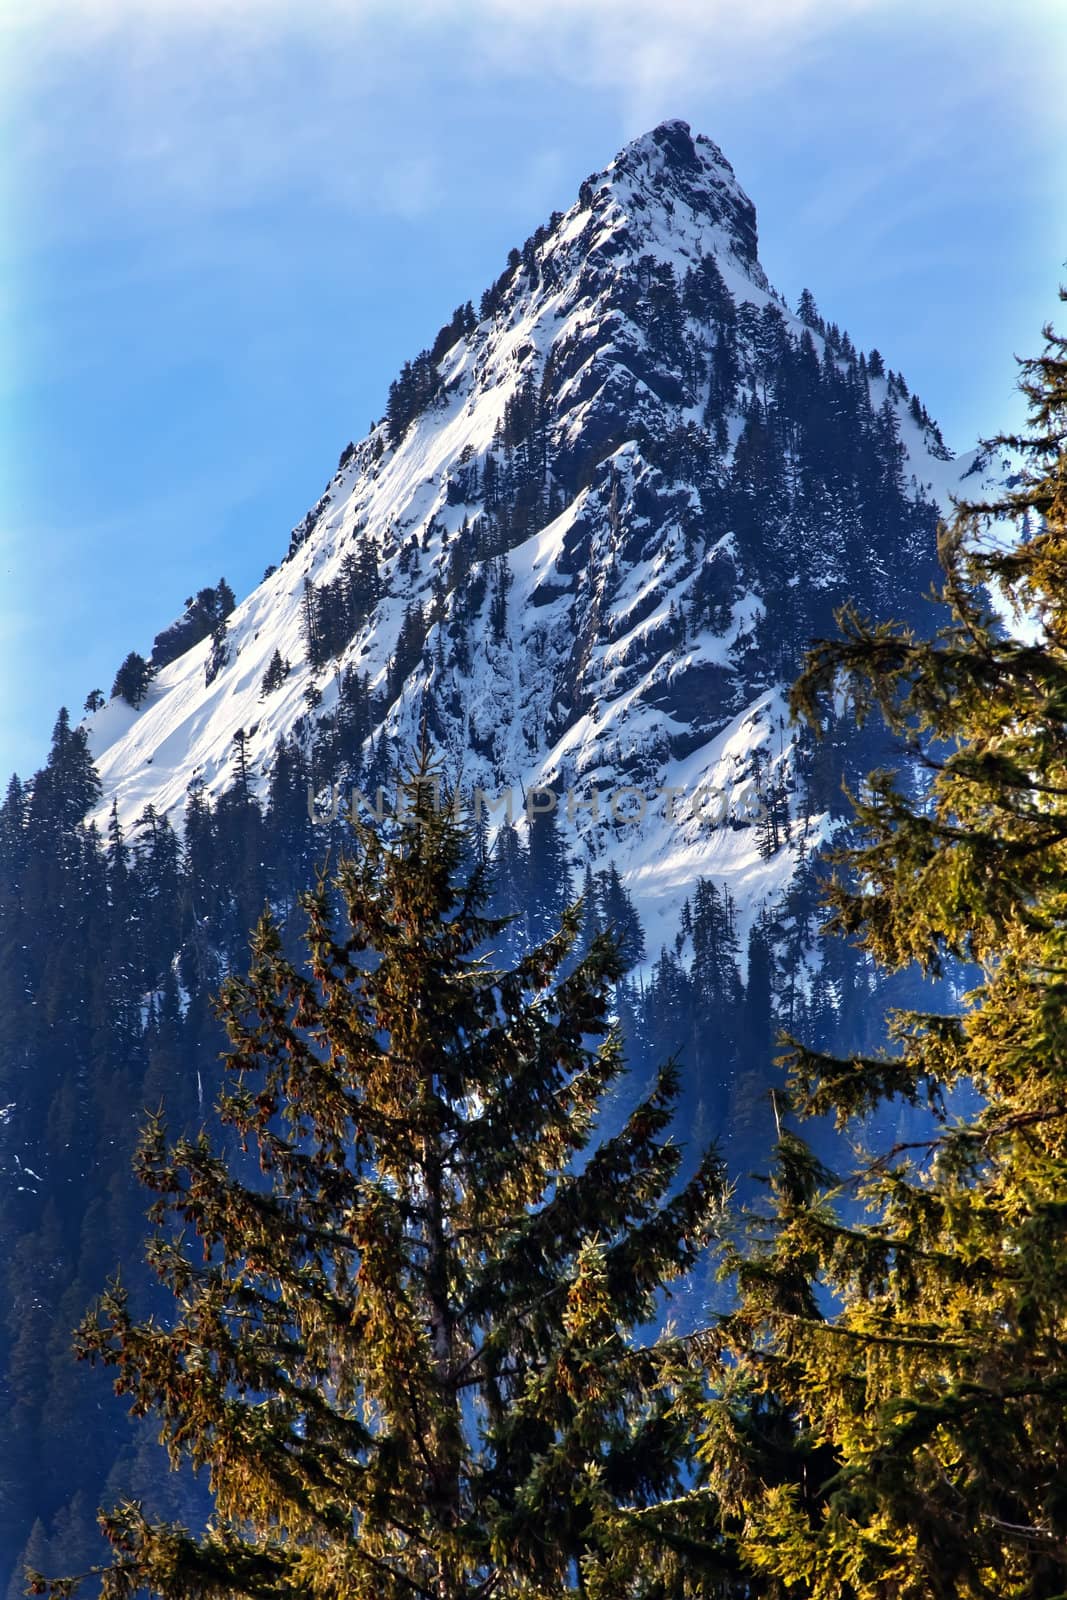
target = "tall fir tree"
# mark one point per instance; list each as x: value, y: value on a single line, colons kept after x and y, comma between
x: 406, y: 1352
x: 921, y: 1348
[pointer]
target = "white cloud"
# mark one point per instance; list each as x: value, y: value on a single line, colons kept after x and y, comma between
x: 188, y: 106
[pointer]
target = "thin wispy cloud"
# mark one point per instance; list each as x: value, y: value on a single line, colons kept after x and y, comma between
x: 167, y: 111
x: 201, y: 105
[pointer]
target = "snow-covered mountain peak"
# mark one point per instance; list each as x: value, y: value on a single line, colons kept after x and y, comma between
x: 601, y: 519
x: 667, y: 168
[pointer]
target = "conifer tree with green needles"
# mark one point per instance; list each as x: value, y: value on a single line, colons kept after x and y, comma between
x: 918, y: 1348
x: 405, y: 1352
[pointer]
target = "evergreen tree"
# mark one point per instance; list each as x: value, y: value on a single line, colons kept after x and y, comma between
x: 241, y: 770
x: 615, y: 906
x: 406, y: 1354
x: 157, y: 867
x: 772, y: 824
x: 289, y: 826
x: 409, y: 646
x: 118, y: 864
x: 547, y: 889
x: 35, y: 1556
x: 132, y: 679
x: 509, y: 870
x: 922, y: 1348
x: 498, y: 603
x: 309, y: 625
x: 275, y: 675
x: 808, y: 311
x: 219, y: 653
x: 68, y: 785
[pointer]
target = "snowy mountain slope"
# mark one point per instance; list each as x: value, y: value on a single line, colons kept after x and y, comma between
x: 605, y: 517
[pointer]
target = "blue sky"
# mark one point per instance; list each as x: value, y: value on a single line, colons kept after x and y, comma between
x: 223, y: 227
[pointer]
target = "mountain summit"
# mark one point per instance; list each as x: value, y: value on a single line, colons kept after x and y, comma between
x: 669, y: 165
x: 601, y: 519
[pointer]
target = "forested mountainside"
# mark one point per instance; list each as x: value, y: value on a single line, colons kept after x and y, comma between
x: 584, y: 551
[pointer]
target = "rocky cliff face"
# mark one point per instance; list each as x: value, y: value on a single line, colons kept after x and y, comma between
x: 601, y: 519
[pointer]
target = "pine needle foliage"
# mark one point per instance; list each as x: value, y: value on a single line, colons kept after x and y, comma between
x: 919, y: 1345
x: 404, y: 1351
